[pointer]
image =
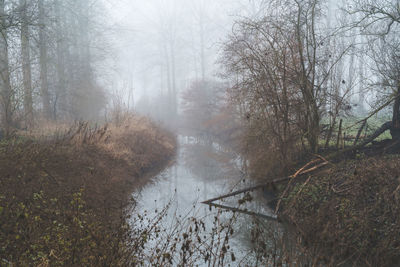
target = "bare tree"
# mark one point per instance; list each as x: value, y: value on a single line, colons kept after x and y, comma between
x: 26, y: 64
x: 379, y: 22
x: 60, y: 99
x: 281, y: 64
x: 43, y: 58
x: 5, y: 86
x: 200, y: 14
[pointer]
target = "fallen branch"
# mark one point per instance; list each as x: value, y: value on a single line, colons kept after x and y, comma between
x: 321, y: 157
x: 268, y: 217
x: 315, y: 167
x: 236, y: 193
x: 389, y: 102
x: 302, y: 168
x: 275, y: 181
x: 386, y: 126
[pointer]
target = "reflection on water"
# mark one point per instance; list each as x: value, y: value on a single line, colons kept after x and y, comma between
x: 202, y: 172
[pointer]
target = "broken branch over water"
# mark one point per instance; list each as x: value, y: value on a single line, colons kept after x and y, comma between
x: 301, y: 171
x: 244, y: 211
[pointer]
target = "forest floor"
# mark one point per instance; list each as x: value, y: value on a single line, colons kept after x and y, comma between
x: 349, y: 211
x: 64, y: 194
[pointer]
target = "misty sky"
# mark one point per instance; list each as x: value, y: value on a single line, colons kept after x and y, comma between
x: 140, y: 29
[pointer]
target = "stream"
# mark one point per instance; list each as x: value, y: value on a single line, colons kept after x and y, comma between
x: 201, y: 172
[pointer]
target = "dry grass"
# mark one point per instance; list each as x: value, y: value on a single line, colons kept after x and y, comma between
x: 350, y: 214
x: 140, y: 135
x: 63, y: 192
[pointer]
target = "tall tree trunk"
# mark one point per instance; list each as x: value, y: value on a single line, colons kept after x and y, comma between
x: 83, y: 22
x: 361, y: 74
x: 314, y: 129
x: 202, y: 45
x: 395, y: 129
x: 60, y: 103
x: 173, y: 74
x: 43, y: 62
x: 5, y: 86
x: 26, y: 66
x: 168, y: 70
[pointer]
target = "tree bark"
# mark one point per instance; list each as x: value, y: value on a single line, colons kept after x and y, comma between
x: 26, y: 66
x: 339, y: 135
x: 173, y: 77
x: 5, y: 85
x: 202, y: 45
x: 60, y: 102
x: 43, y: 62
x: 395, y: 129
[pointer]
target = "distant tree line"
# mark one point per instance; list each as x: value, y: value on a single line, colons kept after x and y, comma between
x: 48, y: 50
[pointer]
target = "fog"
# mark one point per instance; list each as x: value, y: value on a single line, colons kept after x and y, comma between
x: 184, y: 132
x: 76, y: 60
x: 160, y: 47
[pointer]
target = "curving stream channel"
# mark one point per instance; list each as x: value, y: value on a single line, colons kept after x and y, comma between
x: 202, y: 172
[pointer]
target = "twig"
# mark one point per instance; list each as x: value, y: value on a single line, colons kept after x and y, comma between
x: 302, y: 168
x: 315, y: 167
x: 321, y: 157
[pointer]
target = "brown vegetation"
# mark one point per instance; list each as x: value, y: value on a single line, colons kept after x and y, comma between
x: 350, y: 213
x: 62, y: 199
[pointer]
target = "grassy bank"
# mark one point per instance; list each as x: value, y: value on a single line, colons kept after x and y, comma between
x: 349, y: 213
x: 63, y: 195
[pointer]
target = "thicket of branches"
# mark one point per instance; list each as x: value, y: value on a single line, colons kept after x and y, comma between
x: 293, y: 72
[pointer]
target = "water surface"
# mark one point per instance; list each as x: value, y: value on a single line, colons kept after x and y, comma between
x: 201, y: 172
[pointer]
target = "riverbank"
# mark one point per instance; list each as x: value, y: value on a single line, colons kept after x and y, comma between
x: 349, y: 213
x: 63, y: 195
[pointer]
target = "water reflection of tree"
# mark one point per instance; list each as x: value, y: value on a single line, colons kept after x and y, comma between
x: 209, y: 162
x: 201, y: 102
